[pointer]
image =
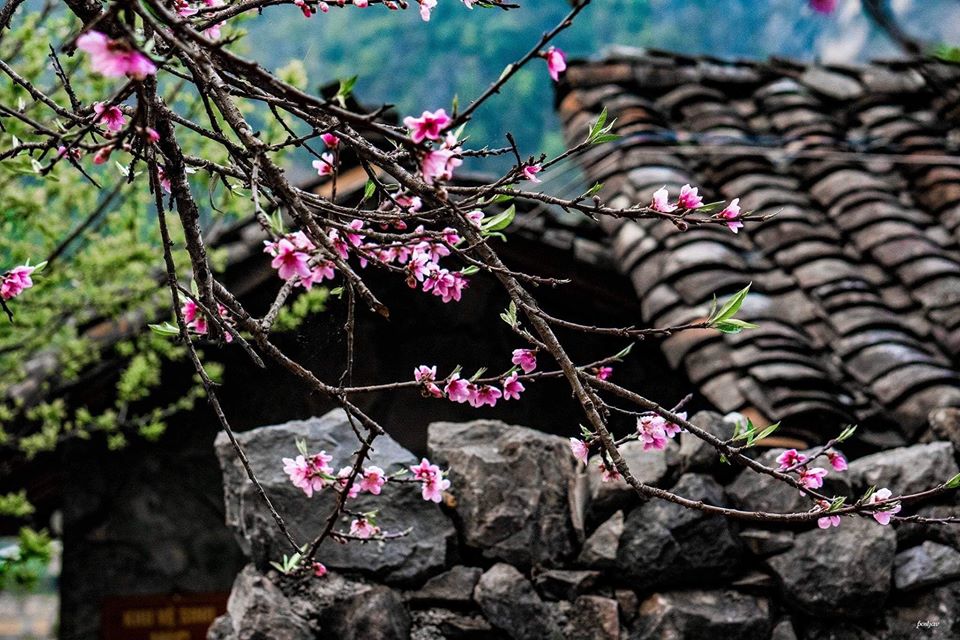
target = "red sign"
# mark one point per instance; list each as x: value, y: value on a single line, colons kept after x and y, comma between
x: 160, y: 617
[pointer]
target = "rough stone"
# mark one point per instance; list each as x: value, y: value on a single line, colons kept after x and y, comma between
x: 839, y: 571
x: 649, y: 467
x: 349, y: 609
x: 783, y: 630
x: 629, y: 603
x: 666, y: 544
x: 933, y: 613
x: 404, y: 560
x: 512, y: 486
x: 925, y: 565
x: 452, y: 587
x: 594, y: 618
x: 703, y: 615
x: 907, y: 469
x: 600, y: 549
x: 564, y: 584
x: 444, y: 624
x: 510, y: 603
x: 697, y: 455
x: 763, y: 542
x: 258, y: 610
x: 753, y: 491
x: 910, y: 533
x: 946, y: 424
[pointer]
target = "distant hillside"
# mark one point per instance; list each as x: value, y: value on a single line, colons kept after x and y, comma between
x: 423, y: 65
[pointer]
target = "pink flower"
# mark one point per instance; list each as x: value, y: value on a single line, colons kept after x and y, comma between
x: 323, y: 271
x: 827, y: 521
x: 425, y: 471
x: 163, y: 179
x: 475, y: 217
x: 289, y: 262
x: 526, y: 359
x: 115, y: 58
x: 732, y: 215
x: 363, y: 528
x: 308, y: 474
x: 883, y: 517
x: 812, y: 478
x: 837, y: 461
x: 823, y: 6
x: 790, y: 458
x: 15, y: 281
x: 556, y: 62
x: 372, y: 480
x: 580, y: 449
x: 608, y: 475
x: 652, y: 434
x: 307, y: 12
x: 427, y: 126
x: 485, y: 395
x: 457, y: 390
x: 318, y: 569
x: 426, y: 6
x: 604, y: 373
x: 530, y: 172
x: 324, y: 165
x: 330, y: 140
x: 342, y: 477
x: 672, y: 429
x: 152, y: 136
x: 689, y: 199
x: 102, y: 155
x: 361, y: 4
x: 512, y: 387
x: 426, y: 375
x: 661, y: 202
x: 110, y: 116
x: 432, y: 490
x: 439, y: 164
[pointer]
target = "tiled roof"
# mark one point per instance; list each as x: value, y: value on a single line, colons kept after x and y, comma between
x: 856, y: 280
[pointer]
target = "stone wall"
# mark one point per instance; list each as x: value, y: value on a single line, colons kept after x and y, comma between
x: 528, y: 546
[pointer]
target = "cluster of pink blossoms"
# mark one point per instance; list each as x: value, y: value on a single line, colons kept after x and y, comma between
x: 309, y: 473
x: 456, y: 389
x: 293, y: 258
x: 13, y: 282
x: 115, y: 58
x: 432, y: 482
x: 812, y: 478
x: 655, y: 430
x: 197, y: 322
x: 690, y: 199
x: 185, y: 9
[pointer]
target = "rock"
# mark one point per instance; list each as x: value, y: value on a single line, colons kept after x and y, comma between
x: 913, y: 533
x: 907, y: 469
x: 649, y: 467
x: 933, y: 613
x: 783, y: 630
x: 754, y: 582
x: 443, y: 624
x: 564, y: 584
x: 765, y: 543
x: 509, y: 602
x: 844, y: 571
x: 697, y: 455
x: 258, y: 610
x: 754, y: 491
x: 600, y: 549
x: 350, y: 609
x: 945, y: 422
x: 703, y: 615
x: 666, y: 544
x: 925, y: 565
x: 827, y: 629
x: 629, y: 603
x: 405, y: 560
x: 453, y: 587
x: 512, y: 486
x: 593, y: 618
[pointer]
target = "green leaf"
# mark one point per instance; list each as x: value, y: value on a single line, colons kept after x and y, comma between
x: 500, y: 197
x: 847, y: 432
x: 500, y: 221
x: 766, y: 432
x: 369, y: 189
x: 346, y: 88
x: 510, y: 315
x: 953, y: 482
x: 605, y: 137
x: 623, y: 353
x: 165, y: 329
x: 836, y: 504
x: 479, y: 373
x: 730, y: 308
x: 469, y: 271
x: 733, y: 326
x: 594, y: 190
x: 337, y: 291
